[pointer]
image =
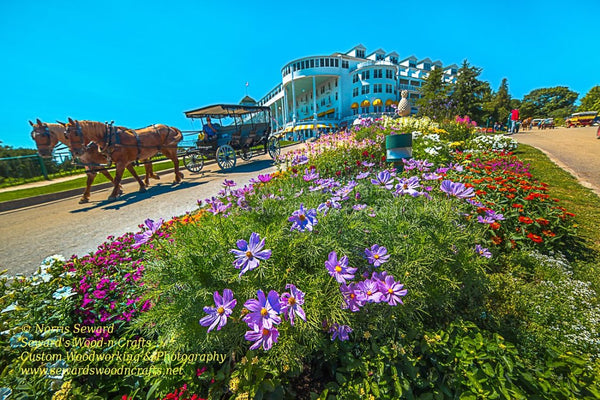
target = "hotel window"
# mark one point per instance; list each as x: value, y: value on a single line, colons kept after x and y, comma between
x: 355, y: 78
x: 389, y: 74
x: 354, y: 111
x: 312, y: 63
x: 355, y: 92
x: 404, y: 81
x: 327, y: 62
x: 412, y: 64
x: 345, y: 64
x: 329, y: 85
x: 365, y: 110
x: 336, y: 95
x: 322, y: 62
x: 366, y: 75
x: 388, y: 88
x: 378, y: 57
x: 427, y: 67
x: 360, y: 53
x: 336, y: 62
x: 377, y: 88
x: 394, y: 60
x: 322, y: 89
x: 365, y: 89
x: 377, y: 109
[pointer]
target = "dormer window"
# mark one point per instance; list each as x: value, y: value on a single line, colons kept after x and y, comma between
x: 427, y: 67
x: 412, y: 64
x: 360, y: 53
x: 379, y: 57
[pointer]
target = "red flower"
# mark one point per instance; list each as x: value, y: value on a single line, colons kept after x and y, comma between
x: 542, y: 221
x: 494, y: 225
x: 535, y: 238
x: 525, y: 220
x: 549, y: 233
x: 338, y: 173
x: 517, y: 205
x: 496, y: 240
x: 365, y: 153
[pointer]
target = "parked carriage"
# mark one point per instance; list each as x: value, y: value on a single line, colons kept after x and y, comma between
x: 229, y: 131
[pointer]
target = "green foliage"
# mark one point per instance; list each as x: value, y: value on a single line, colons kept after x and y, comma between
x: 591, y: 100
x: 499, y: 106
x: 434, y: 101
x: 469, y: 93
x: 549, y: 102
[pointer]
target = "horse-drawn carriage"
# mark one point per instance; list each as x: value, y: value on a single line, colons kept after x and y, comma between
x: 231, y: 130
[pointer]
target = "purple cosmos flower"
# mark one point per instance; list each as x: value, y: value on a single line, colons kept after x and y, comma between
x: 408, y: 186
x: 249, y: 253
x: 494, y: 215
x: 217, y: 206
x: 370, y: 290
x: 329, y: 204
x: 431, y: 176
x: 456, y: 189
x: 303, y: 219
x: 299, y: 160
x: 485, y: 219
x: 262, y: 336
x: 368, y: 164
x: 377, y: 255
x: 217, y: 315
x: 353, y: 297
x: 363, y: 175
x: 310, y: 175
x: 264, y: 312
x: 482, y: 251
x: 383, y: 178
x: 262, y: 178
x: 144, y: 237
x: 291, y: 302
x: 420, y: 165
x: 339, y: 269
x: 358, y: 207
x: 229, y: 183
x: 391, y: 290
x: 340, y: 332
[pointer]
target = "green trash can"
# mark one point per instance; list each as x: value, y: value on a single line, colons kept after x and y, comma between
x: 398, y: 147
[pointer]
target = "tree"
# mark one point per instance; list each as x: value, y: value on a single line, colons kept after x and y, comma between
x: 498, y: 106
x: 591, y: 100
x: 469, y: 93
x: 434, y: 101
x: 556, y: 102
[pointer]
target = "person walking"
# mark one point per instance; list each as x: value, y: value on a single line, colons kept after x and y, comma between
x: 514, y: 117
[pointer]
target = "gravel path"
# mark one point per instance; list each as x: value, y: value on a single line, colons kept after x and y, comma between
x: 65, y: 227
x: 576, y: 150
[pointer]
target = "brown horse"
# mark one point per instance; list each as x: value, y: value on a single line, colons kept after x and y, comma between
x: 47, y: 136
x: 526, y: 124
x: 124, y: 146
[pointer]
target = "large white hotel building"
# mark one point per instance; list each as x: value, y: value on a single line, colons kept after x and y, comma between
x: 324, y: 92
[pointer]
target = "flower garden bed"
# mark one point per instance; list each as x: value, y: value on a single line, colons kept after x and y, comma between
x: 336, y: 277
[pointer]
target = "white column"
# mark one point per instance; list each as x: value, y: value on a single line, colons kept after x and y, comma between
x: 294, y: 116
x: 339, y: 112
x: 314, y: 79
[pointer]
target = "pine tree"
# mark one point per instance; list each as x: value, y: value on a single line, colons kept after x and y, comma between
x: 469, y: 93
x: 434, y: 102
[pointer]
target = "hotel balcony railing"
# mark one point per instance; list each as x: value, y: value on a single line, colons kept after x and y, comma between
x: 412, y: 88
x: 371, y: 62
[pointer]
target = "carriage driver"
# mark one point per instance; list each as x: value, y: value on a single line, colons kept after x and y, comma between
x: 209, y: 128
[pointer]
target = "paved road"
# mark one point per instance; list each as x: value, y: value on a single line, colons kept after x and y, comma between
x: 575, y: 149
x: 65, y: 227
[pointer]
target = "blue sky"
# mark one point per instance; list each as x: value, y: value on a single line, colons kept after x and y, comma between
x: 139, y: 63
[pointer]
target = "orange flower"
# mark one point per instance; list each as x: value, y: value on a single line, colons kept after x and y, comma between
x: 494, y: 225
x: 549, y: 233
x: 496, y: 240
x: 542, y: 221
x: 535, y: 238
x: 525, y: 220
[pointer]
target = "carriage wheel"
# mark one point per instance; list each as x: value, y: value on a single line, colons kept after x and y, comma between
x: 245, y: 153
x: 225, y: 157
x: 193, y: 160
x: 273, y: 147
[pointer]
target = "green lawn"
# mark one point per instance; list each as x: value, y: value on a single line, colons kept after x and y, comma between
x: 574, y: 197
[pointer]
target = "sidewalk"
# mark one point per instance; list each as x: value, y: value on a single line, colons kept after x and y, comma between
x: 41, y: 183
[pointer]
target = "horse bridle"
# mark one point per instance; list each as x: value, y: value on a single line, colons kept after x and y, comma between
x: 78, y: 132
x: 46, y: 134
